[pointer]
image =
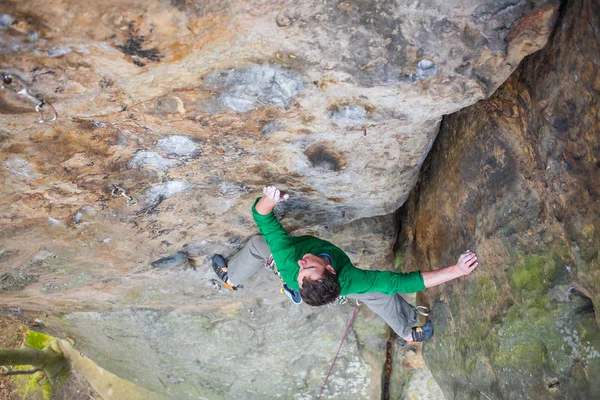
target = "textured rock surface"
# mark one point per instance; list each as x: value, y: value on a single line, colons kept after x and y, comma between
x: 525, y: 197
x: 190, y: 108
x: 209, y: 364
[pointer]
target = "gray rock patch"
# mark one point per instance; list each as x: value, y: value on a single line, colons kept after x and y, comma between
x: 57, y: 51
x: 82, y: 50
x: 55, y: 222
x: 41, y: 256
x: 244, y: 89
x: 169, y: 105
x: 122, y: 140
x: 17, y: 279
x: 174, y: 260
x: 157, y: 194
x: 178, y: 145
x: 348, y: 116
x: 78, y: 217
x: 198, y: 249
x: 98, y: 124
x: 426, y: 69
x: 271, y: 126
x: 19, y: 166
x: 53, y: 287
x: 148, y: 159
x: 227, y: 188
x: 5, y: 255
x: 5, y: 20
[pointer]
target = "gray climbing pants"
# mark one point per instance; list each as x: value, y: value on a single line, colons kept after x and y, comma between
x: 248, y: 261
x: 394, y: 310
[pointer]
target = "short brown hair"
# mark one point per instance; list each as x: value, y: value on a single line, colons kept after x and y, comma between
x: 322, y: 291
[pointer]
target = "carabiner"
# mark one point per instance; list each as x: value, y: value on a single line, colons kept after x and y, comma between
x: 51, y: 112
x: 115, y: 193
x: 47, y: 112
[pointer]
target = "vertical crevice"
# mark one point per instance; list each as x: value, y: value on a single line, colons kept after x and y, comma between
x: 387, y: 367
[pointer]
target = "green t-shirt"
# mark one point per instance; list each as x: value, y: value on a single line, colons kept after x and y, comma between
x: 287, y: 250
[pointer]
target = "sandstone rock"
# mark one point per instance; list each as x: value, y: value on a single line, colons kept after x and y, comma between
x: 78, y: 160
x: 19, y: 166
x: 271, y: 126
x: 522, y: 192
x: 157, y: 194
x: 169, y: 105
x: 58, y: 51
x: 348, y: 116
x: 389, y: 62
x: 152, y: 160
x: 174, y: 260
x: 227, y: 341
x: 192, y: 108
x: 245, y: 89
x: 177, y: 145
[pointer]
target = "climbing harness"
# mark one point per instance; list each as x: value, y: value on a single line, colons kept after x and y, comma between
x: 118, y: 191
x: 15, y: 84
x: 339, y: 348
x: 272, y: 267
x: 293, y: 294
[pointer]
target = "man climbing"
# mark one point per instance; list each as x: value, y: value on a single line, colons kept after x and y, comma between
x: 321, y: 272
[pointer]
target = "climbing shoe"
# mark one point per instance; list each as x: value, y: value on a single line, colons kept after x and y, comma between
x: 294, y: 295
x: 421, y: 333
x: 220, y: 267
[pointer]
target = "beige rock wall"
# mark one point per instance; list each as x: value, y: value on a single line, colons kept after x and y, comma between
x: 192, y: 108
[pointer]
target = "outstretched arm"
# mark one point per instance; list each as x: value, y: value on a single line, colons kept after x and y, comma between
x: 269, y: 227
x: 271, y: 197
x: 467, y: 262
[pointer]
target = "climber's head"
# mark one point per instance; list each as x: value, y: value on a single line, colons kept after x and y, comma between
x: 319, y: 285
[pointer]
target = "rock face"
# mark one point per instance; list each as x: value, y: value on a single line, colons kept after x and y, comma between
x: 524, y: 194
x: 172, y: 115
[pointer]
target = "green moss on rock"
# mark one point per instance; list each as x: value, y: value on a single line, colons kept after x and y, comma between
x: 530, y: 275
x: 398, y: 260
x: 483, y: 292
x: 38, y: 340
x: 47, y: 391
x: 529, y: 353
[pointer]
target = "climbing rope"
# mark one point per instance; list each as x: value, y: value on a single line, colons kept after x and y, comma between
x: 339, y: 348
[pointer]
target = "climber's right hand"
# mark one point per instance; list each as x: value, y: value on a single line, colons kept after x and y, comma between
x: 467, y: 262
x: 272, y: 193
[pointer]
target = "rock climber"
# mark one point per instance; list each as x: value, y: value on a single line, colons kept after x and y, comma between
x: 319, y: 272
